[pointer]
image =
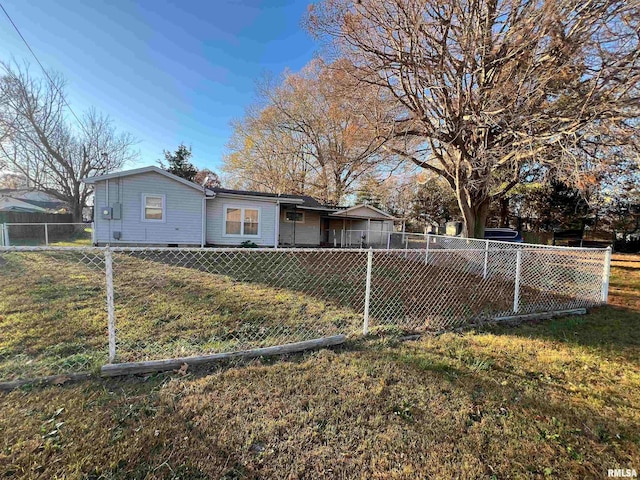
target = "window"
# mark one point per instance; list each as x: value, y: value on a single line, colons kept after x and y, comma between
x: 233, y: 223
x: 250, y: 221
x: 242, y: 221
x: 293, y: 216
x: 153, y: 207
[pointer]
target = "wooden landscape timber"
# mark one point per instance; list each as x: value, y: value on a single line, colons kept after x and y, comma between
x: 151, y: 366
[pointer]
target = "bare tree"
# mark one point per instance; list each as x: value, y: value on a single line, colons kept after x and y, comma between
x: 42, y: 145
x: 488, y: 88
x: 314, y: 132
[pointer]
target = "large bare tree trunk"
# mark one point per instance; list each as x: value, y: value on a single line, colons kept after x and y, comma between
x: 474, y: 213
x: 76, y: 211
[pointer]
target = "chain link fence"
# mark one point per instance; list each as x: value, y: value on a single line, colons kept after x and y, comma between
x: 70, y: 309
x: 53, y: 316
x: 46, y: 234
x: 181, y: 302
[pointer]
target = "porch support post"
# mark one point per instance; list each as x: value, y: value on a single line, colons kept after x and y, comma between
x: 368, y: 231
x: 276, y: 241
x: 295, y: 218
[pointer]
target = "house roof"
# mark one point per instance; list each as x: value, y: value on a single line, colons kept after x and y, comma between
x: 209, y: 192
x: 138, y: 171
x: 301, y: 201
x: 348, y: 212
x: 28, y: 205
x: 46, y: 205
x: 8, y: 204
x: 296, y: 199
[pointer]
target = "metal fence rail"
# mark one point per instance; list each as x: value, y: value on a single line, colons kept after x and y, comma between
x: 410, y: 241
x: 64, y: 309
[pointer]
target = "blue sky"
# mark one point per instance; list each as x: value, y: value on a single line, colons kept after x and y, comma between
x: 166, y: 71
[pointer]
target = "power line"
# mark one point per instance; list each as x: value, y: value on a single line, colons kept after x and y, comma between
x: 43, y: 69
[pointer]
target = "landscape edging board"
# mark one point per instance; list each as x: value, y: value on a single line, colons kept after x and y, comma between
x: 151, y: 366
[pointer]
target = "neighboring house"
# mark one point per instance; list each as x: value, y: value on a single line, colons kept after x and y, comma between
x: 29, y: 201
x: 151, y: 206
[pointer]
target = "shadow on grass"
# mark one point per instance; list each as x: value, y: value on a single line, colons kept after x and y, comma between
x: 372, y: 398
x: 609, y: 330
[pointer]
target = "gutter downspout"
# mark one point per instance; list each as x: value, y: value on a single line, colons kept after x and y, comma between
x: 108, y: 221
x: 203, y: 238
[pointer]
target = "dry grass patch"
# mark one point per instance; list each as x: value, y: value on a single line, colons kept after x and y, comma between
x: 53, y: 314
x: 170, y: 311
x: 471, y: 406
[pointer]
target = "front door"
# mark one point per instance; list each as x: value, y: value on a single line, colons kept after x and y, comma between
x: 325, y: 237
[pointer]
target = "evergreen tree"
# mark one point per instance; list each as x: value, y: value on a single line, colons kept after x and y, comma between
x: 178, y: 163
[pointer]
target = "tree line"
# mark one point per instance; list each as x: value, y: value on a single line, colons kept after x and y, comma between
x: 479, y: 110
x: 494, y: 102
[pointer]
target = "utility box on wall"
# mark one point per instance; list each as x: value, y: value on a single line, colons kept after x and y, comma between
x: 112, y: 213
x: 116, y: 211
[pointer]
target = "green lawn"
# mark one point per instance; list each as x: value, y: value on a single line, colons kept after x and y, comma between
x: 554, y: 399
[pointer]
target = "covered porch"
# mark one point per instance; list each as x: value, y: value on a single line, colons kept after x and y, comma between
x: 359, y: 226
x: 310, y: 226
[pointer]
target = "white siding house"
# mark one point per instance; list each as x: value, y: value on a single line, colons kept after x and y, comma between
x: 223, y: 232
x: 149, y: 206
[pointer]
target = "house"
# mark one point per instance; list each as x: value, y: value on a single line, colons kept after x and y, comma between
x: 149, y: 206
x: 29, y: 201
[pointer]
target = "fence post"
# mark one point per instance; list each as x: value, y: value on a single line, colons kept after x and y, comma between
x: 108, y: 262
x: 388, y: 240
x: 46, y: 235
x: 7, y: 240
x: 2, y: 235
x: 486, y: 259
x: 516, y: 293
x: 605, y: 275
x: 426, y: 254
x: 367, y: 292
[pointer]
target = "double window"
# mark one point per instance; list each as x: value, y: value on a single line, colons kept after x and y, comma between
x: 153, y: 208
x: 242, y: 221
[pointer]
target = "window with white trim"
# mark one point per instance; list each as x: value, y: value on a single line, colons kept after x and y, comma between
x: 242, y: 221
x: 153, y: 208
x: 294, y: 216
